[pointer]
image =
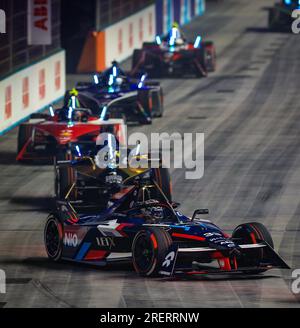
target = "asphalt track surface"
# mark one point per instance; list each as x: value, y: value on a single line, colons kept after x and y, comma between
x: 249, y: 112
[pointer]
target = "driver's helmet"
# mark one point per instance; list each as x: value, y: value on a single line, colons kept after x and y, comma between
x: 153, y: 209
x: 119, y: 81
x: 175, y: 25
x: 79, y: 116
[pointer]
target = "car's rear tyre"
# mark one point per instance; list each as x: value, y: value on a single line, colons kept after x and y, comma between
x: 145, y: 106
x: 210, y: 56
x: 149, y: 249
x: 53, y: 238
x: 39, y: 116
x: 150, y: 44
x: 64, y: 177
x: 136, y: 60
x: 252, y: 233
x: 274, y: 20
x: 163, y: 179
x: 158, y: 103
x: 118, y: 115
x: 200, y: 65
x: 25, y: 132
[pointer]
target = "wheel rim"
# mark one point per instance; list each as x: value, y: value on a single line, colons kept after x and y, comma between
x: 143, y: 253
x: 52, y: 239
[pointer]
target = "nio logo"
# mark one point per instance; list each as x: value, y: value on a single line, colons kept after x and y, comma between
x: 2, y: 282
x: 71, y: 240
x: 2, y: 22
x: 296, y: 283
x: 169, y: 259
x: 296, y: 23
x: 105, y: 242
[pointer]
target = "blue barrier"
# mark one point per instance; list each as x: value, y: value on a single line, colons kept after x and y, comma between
x: 181, y: 11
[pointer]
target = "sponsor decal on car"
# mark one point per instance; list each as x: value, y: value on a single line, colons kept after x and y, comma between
x: 107, y: 242
x: 71, y: 239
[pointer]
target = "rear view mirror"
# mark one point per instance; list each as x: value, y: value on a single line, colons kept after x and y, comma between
x: 200, y: 212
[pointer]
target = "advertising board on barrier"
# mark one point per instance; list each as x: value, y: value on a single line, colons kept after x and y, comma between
x: 39, y: 22
x: 123, y: 37
x: 31, y: 89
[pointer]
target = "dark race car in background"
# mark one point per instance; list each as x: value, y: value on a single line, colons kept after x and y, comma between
x: 175, y: 56
x: 280, y: 16
x: 46, y: 135
x: 111, y: 214
x: 117, y: 95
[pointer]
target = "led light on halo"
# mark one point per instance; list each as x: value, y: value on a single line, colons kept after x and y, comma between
x: 73, y: 100
x: 70, y: 112
x: 197, y: 42
x: 111, y: 80
x: 51, y: 110
x: 96, y: 79
x: 103, y: 113
x: 78, y: 151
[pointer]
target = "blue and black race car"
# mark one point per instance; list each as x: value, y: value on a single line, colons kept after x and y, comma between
x: 113, y: 215
x: 114, y: 95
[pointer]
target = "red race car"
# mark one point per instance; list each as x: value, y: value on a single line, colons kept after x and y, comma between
x: 174, y: 55
x: 44, y: 135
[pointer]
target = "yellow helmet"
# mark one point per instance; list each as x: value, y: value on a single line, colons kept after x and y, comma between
x: 73, y: 92
x: 175, y: 25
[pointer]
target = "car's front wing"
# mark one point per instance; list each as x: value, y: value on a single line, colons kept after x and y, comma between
x: 172, y: 263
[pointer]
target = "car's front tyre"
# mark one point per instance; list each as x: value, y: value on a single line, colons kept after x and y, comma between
x: 149, y: 249
x: 252, y: 233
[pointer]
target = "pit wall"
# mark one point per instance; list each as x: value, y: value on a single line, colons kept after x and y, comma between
x: 118, y: 41
x: 31, y: 89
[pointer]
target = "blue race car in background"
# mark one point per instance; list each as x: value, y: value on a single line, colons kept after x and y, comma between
x: 113, y: 215
x: 114, y: 95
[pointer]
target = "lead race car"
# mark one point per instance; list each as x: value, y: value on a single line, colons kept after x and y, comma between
x: 120, y: 96
x: 112, y: 214
x: 174, y: 55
